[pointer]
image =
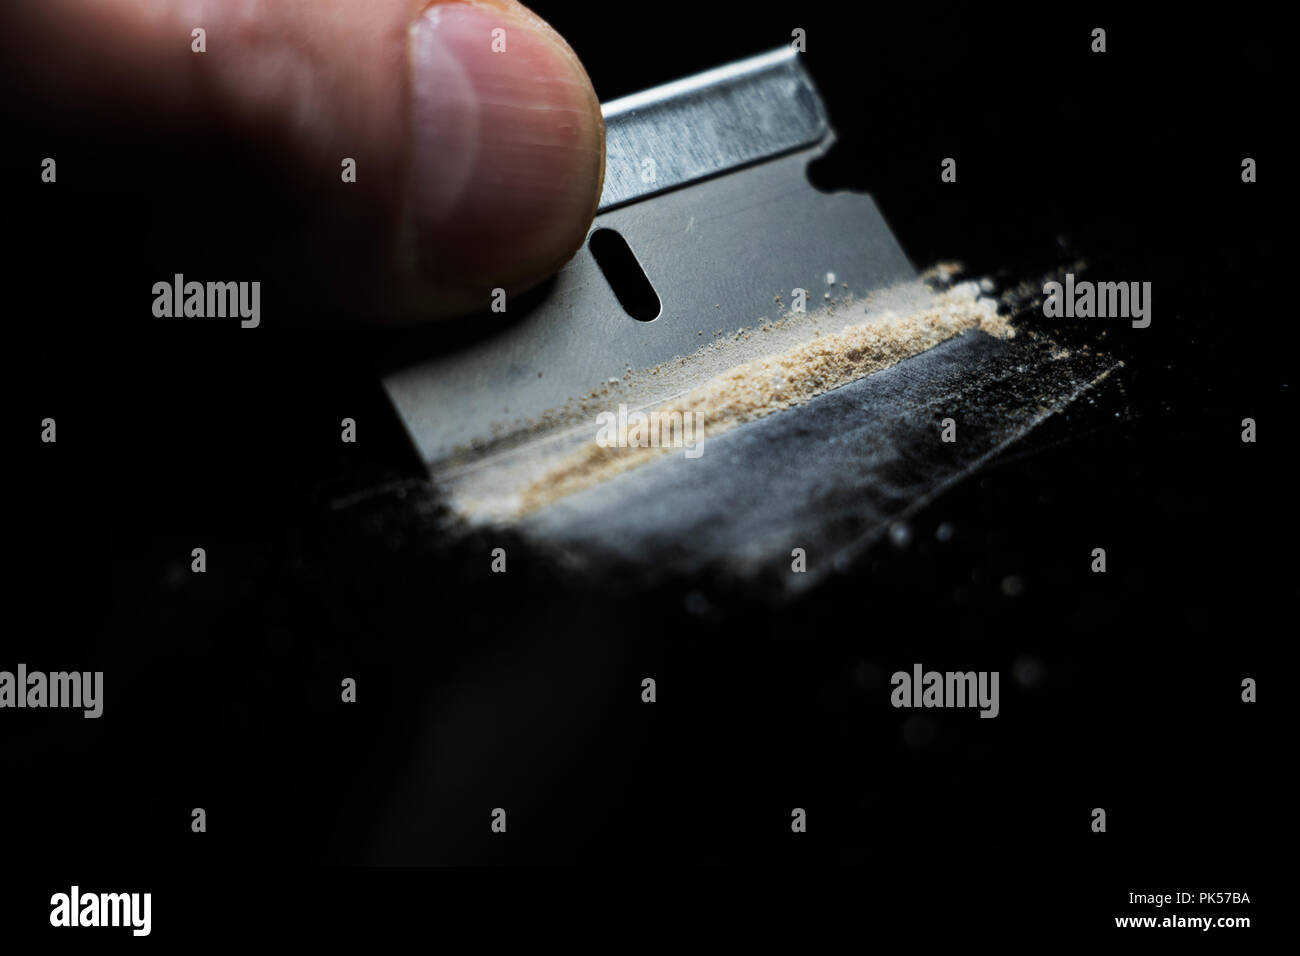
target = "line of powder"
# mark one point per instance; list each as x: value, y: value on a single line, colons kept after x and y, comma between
x: 763, y: 386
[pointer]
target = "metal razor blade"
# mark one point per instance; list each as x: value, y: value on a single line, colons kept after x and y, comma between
x: 707, y: 199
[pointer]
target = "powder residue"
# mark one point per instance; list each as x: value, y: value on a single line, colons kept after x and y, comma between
x: 762, y: 386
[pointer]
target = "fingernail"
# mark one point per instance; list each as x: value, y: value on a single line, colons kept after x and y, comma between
x: 508, y: 149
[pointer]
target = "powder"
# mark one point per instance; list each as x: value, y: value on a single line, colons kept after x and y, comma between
x: 761, y: 386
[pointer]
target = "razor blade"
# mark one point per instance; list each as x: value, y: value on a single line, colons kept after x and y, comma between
x: 706, y: 218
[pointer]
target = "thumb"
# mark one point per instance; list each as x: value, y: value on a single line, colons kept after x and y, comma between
x: 472, y: 132
x: 508, y: 144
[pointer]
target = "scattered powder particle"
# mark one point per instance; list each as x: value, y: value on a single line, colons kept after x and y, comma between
x: 762, y: 386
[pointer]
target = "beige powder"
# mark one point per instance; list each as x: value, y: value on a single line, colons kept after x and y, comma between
x: 761, y: 386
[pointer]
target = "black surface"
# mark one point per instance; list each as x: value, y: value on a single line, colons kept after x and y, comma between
x: 223, y: 690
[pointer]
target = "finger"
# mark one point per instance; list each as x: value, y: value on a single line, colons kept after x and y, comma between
x: 508, y: 145
x: 473, y: 132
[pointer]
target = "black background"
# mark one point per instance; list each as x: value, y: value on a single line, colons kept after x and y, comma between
x: 222, y: 690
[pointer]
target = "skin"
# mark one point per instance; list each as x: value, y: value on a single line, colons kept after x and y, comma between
x: 486, y: 173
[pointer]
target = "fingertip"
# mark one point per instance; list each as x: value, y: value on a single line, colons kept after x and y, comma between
x: 508, y: 150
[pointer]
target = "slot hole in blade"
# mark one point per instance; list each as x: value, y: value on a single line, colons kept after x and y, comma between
x: 624, y: 274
